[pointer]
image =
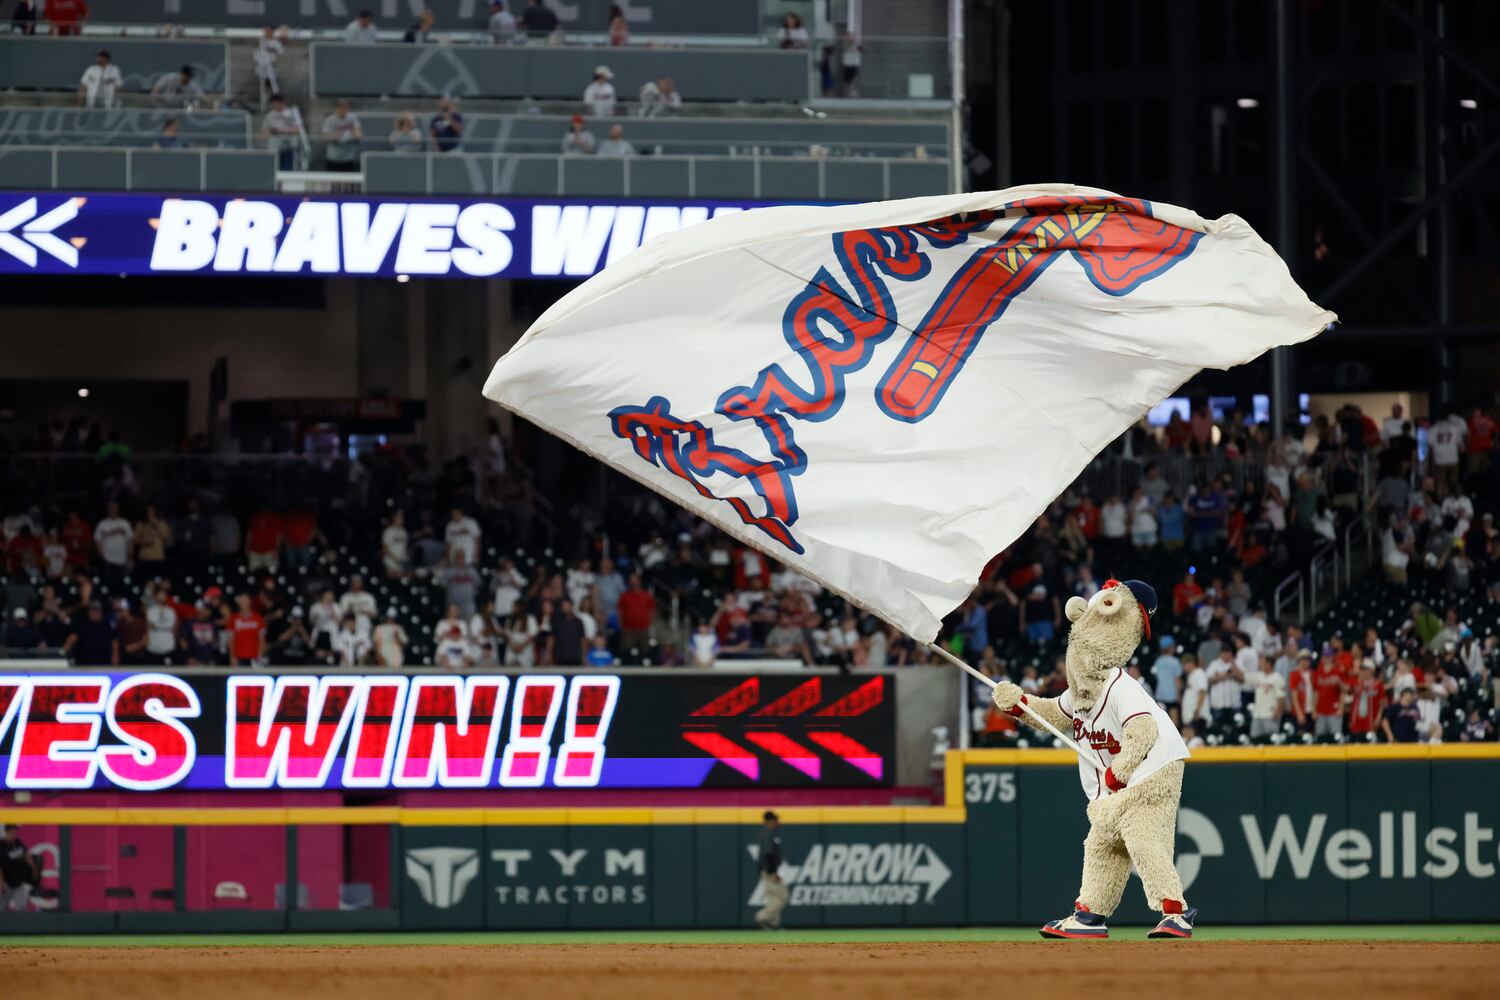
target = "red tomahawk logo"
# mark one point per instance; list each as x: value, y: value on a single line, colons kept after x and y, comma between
x: 764, y: 726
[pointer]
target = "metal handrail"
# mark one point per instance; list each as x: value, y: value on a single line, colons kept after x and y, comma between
x: 1295, y: 584
x: 693, y: 164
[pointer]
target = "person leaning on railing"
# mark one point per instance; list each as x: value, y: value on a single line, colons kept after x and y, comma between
x: 405, y: 137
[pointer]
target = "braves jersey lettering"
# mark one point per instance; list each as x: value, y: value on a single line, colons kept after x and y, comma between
x: 835, y: 326
x: 1102, y: 729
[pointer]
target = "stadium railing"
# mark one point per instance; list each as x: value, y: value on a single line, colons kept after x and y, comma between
x: 54, y: 126
x: 687, y: 135
x: 668, y: 18
x: 556, y: 73
x: 33, y: 63
x: 123, y: 169
x: 772, y: 178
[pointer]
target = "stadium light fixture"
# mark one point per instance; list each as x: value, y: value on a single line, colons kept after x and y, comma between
x: 1246, y: 103
x: 83, y: 392
x: 1468, y: 102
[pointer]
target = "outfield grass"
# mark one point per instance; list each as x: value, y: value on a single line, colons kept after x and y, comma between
x: 1342, y: 932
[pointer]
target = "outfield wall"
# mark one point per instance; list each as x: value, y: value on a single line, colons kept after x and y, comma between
x: 1279, y: 835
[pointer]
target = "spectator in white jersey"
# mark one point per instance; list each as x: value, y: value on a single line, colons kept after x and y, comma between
x: 97, y: 86
x: 599, y: 95
x: 462, y: 535
x: 362, y: 30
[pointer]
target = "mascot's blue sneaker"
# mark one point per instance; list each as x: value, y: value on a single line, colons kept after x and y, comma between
x: 1078, y: 924
x: 1176, y: 925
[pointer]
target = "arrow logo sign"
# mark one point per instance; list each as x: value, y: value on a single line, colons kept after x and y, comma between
x: 37, y: 231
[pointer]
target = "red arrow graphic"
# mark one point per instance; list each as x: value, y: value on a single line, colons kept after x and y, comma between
x: 796, y: 701
x: 859, y: 701
x: 789, y: 750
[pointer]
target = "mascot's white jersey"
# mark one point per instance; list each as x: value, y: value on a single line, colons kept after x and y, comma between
x: 1102, y: 730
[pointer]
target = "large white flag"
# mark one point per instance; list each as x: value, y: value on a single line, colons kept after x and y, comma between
x: 886, y: 395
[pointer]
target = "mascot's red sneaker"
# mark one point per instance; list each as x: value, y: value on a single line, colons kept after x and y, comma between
x: 1078, y: 924
x: 1176, y: 925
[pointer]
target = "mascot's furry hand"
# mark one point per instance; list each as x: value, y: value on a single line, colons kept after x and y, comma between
x: 1008, y: 698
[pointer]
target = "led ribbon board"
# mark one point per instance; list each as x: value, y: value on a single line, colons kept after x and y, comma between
x: 190, y: 731
x: 53, y: 232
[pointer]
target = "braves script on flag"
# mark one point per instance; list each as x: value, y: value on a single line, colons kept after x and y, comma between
x: 886, y: 395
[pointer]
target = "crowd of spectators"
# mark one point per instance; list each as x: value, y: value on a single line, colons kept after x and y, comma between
x: 1225, y: 669
x: 398, y: 562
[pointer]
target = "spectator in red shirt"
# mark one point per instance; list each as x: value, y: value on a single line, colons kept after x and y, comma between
x: 752, y: 571
x: 1178, y: 433
x: 301, y: 529
x: 1343, y: 657
x: 23, y: 555
x: 1299, y: 691
x: 1087, y: 516
x: 263, y: 541
x: 247, y: 634
x: 1328, y: 698
x: 1186, y: 595
x: 1367, y: 704
x: 637, y: 610
x: 67, y: 16
x: 1481, y: 440
x: 1202, y: 427
x: 78, y: 539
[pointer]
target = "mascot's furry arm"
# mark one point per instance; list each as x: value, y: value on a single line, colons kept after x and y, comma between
x: 1140, y: 737
x: 1008, y: 698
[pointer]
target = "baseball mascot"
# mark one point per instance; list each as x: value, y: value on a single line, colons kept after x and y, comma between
x: 1134, y: 780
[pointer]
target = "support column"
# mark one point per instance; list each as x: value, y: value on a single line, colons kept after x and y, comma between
x: 1284, y: 153
x: 956, y: 56
x: 1439, y: 224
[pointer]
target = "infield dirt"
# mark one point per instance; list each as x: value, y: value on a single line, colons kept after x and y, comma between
x: 1123, y: 969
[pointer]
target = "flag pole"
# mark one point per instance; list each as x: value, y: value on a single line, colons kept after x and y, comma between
x: 960, y: 664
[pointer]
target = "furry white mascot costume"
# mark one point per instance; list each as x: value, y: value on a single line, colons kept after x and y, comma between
x: 1135, y: 781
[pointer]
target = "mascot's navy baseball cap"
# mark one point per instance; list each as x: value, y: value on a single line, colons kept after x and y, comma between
x: 1145, y: 596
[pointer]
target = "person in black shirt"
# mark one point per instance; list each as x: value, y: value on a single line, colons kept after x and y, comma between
x: 20, y: 634
x: 773, y: 888
x: 567, y: 637
x: 1400, y: 722
x: 538, y: 19
x: 18, y: 871
x: 93, y: 641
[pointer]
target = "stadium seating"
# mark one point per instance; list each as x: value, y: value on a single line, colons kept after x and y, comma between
x: 51, y: 126
x: 84, y: 169
x: 554, y: 73
x: 761, y: 178
x: 895, y: 138
x: 40, y: 63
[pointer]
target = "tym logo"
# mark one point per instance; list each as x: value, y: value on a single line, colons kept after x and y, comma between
x: 1354, y: 854
x: 442, y: 874
x: 571, y: 878
x: 862, y: 875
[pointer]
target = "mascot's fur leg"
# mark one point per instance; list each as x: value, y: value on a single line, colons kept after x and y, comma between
x: 1136, y: 825
x: 1150, y: 831
x: 1106, y: 868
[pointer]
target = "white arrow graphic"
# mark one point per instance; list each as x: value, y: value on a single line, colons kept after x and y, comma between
x: 934, y: 873
x: 11, y: 220
x: 38, y: 232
